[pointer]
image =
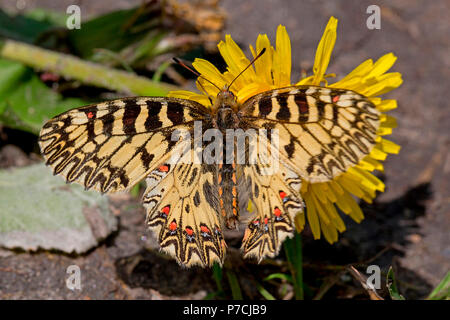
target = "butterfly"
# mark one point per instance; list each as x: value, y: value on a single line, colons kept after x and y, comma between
x: 111, y: 146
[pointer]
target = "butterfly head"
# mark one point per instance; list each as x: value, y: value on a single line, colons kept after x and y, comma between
x: 225, y: 100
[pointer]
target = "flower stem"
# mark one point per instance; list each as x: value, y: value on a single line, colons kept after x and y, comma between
x: 87, y: 72
x: 293, y: 249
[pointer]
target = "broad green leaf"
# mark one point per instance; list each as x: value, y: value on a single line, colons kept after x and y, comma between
x: 23, y: 28
x: 25, y: 102
x: 108, y: 31
x: 11, y: 74
x: 52, y: 18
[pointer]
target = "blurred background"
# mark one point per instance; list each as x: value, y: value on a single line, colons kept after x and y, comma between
x: 125, y: 48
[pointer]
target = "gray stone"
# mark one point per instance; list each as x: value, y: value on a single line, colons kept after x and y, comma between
x: 40, y: 211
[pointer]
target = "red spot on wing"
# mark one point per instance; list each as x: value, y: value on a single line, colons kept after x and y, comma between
x: 277, y: 212
x: 173, y: 226
x: 336, y: 99
x: 166, y: 210
x: 266, y: 221
x: 204, y: 229
x: 90, y: 115
x: 282, y: 194
x: 164, y: 168
x: 189, y: 231
x: 256, y: 222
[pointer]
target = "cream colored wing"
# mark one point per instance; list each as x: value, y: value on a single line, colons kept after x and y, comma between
x: 322, y: 131
x: 182, y: 210
x: 274, y: 189
x: 113, y: 145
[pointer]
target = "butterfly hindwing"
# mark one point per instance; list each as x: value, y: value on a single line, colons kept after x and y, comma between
x: 113, y: 145
x: 274, y: 190
x: 182, y: 211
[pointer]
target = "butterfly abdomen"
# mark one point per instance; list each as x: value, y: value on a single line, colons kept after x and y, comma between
x: 228, y: 194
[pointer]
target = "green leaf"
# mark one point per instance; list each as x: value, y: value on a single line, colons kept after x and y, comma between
x: 11, y: 74
x: 217, y: 273
x: 266, y: 294
x: 49, y: 17
x: 23, y: 28
x: 211, y: 295
x: 392, y: 286
x: 107, y: 31
x: 236, y: 292
x: 25, y: 102
x: 148, y: 47
x: 280, y: 276
x: 442, y: 290
x: 293, y: 250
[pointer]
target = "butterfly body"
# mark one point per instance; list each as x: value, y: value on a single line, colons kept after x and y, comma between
x: 113, y: 145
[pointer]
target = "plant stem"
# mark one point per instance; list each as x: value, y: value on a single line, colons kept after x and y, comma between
x: 87, y: 72
x: 293, y: 249
x: 218, y: 275
x: 236, y: 292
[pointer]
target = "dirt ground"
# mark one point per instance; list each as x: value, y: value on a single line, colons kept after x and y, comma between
x: 407, y: 226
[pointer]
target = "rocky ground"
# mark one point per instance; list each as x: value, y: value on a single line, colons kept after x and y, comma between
x: 407, y: 226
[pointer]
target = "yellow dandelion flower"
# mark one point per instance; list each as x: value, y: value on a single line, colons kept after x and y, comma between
x: 273, y: 70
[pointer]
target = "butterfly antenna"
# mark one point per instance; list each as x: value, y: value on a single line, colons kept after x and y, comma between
x: 254, y: 59
x: 178, y: 61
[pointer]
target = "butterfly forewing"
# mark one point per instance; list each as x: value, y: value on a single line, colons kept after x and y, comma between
x: 113, y: 145
x: 322, y: 131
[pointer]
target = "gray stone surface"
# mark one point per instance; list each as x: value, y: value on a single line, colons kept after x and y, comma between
x: 39, y: 211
